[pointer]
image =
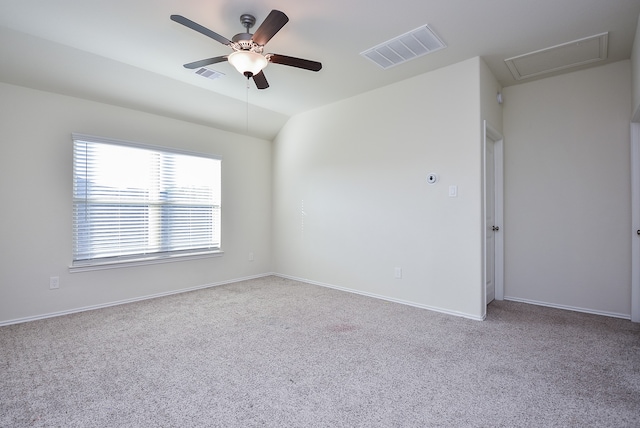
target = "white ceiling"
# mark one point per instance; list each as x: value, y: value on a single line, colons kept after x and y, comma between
x: 129, y: 53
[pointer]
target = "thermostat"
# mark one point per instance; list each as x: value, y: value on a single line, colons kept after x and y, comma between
x: 432, y: 178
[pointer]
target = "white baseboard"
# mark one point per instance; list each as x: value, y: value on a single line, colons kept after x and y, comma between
x: 381, y: 297
x: 125, y: 301
x: 308, y: 281
x: 569, y: 308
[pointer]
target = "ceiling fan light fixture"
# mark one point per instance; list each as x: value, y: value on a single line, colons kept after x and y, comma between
x: 248, y: 62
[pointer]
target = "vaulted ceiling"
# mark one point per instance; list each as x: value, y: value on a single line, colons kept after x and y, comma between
x: 130, y: 53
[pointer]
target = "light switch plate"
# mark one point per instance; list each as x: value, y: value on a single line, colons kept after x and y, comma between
x: 398, y: 273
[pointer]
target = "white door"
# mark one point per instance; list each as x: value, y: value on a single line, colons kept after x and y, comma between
x: 490, y: 221
x: 493, y: 203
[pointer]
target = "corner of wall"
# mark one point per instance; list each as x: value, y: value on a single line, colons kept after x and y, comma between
x: 490, y: 108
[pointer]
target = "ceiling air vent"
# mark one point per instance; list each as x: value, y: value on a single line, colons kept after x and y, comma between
x: 560, y: 57
x: 413, y: 44
x: 209, y: 74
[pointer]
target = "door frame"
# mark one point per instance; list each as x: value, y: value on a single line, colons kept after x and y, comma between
x: 490, y: 133
x: 635, y: 221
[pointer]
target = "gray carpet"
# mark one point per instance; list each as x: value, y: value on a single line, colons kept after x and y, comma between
x: 273, y: 352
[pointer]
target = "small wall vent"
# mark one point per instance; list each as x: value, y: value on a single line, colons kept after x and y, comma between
x: 560, y: 57
x: 209, y: 74
x: 408, y: 46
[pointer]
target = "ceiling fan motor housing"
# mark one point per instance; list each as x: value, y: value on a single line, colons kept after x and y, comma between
x: 244, y: 41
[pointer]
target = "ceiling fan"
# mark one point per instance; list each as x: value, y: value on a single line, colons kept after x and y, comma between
x: 247, y: 56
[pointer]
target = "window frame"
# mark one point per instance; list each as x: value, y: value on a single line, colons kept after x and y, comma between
x: 149, y: 258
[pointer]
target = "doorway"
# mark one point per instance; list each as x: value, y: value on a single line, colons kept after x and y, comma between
x: 635, y: 222
x: 493, y: 179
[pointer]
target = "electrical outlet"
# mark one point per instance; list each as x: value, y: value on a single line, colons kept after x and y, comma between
x: 54, y: 282
x: 398, y: 273
x: 251, y: 256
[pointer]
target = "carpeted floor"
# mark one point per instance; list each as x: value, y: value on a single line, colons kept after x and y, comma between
x: 274, y: 352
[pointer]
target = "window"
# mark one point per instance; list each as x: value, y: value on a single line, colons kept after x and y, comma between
x: 135, y: 202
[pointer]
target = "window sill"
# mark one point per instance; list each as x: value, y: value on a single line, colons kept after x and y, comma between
x: 143, y: 261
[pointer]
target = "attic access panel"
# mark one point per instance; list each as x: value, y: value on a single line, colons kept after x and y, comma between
x: 567, y: 55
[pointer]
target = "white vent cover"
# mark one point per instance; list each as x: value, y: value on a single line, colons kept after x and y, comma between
x: 413, y: 44
x: 560, y: 57
x: 209, y: 74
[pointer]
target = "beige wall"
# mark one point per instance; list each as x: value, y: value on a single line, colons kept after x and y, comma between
x: 567, y: 190
x: 358, y: 170
x: 35, y: 190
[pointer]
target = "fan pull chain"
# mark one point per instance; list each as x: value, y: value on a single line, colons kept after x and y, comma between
x: 247, y: 118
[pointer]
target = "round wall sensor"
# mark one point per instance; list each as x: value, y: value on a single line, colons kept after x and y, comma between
x: 432, y: 178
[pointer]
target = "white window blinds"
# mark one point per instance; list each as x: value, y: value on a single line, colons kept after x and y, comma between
x: 132, y: 202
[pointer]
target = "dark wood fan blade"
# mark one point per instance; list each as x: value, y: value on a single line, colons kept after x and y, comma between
x: 260, y: 80
x: 200, y: 29
x: 271, y: 25
x: 205, y: 62
x: 294, y: 62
